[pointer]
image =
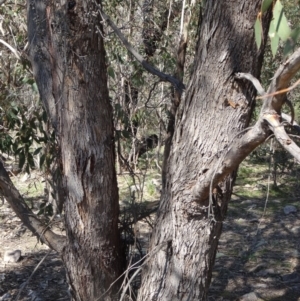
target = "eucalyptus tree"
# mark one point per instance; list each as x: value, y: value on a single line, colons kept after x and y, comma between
x: 208, y: 140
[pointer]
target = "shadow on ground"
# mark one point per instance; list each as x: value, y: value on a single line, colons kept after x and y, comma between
x: 47, y: 283
x: 258, y: 254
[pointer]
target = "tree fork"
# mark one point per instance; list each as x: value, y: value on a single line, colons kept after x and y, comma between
x: 206, y: 140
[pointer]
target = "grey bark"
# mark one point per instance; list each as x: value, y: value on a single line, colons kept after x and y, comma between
x: 207, y: 146
x: 68, y: 59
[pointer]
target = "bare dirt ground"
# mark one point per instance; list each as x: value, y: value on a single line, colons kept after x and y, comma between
x: 258, y: 255
x: 47, y: 283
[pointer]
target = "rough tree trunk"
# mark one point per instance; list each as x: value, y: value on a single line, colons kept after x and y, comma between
x: 216, y: 108
x: 68, y: 59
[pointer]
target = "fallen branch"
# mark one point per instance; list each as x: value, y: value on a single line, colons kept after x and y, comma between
x: 12, y: 49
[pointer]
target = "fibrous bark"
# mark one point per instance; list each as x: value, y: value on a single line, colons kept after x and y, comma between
x: 68, y: 59
x: 205, y: 153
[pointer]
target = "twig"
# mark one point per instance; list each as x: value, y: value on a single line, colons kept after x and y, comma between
x: 281, y: 135
x: 268, y: 193
x: 281, y: 91
x: 152, y: 252
x: 256, y: 83
x: 12, y: 49
x: 163, y: 76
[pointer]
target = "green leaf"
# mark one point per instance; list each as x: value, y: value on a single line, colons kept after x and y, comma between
x: 111, y: 72
x: 17, y: 151
x: 281, y: 24
x: 274, y: 44
x: 126, y: 134
x: 14, y: 105
x: 265, y: 5
x: 21, y: 159
x: 37, y: 151
x: 12, y: 114
x: 45, y: 118
x: 27, y: 169
x: 258, y: 32
x: 42, y: 160
x: 34, y: 87
x: 30, y: 161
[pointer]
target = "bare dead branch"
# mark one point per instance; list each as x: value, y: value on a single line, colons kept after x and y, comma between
x: 12, y: 49
x: 232, y: 156
x: 281, y: 135
x: 30, y: 220
x: 164, y: 77
x: 281, y: 91
x: 286, y: 72
x: 256, y: 83
x: 281, y: 81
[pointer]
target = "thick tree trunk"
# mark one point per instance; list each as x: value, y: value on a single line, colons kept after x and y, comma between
x: 68, y: 58
x: 215, y: 110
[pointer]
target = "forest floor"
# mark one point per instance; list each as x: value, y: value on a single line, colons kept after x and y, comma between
x: 258, y: 255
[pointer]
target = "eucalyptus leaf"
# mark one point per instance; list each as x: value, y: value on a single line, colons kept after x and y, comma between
x: 111, y: 72
x: 274, y: 44
x: 281, y: 27
x: 265, y: 5
x: 21, y: 159
x: 42, y: 160
x: 37, y: 151
x: 30, y: 161
x: 126, y: 134
x: 258, y: 32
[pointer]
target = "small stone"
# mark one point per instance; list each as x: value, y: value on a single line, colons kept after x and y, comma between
x: 296, y: 230
x: 249, y: 297
x: 289, y: 209
x: 12, y: 256
x: 260, y: 285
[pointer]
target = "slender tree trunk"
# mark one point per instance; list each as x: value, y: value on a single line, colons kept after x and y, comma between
x: 68, y: 59
x: 216, y: 108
